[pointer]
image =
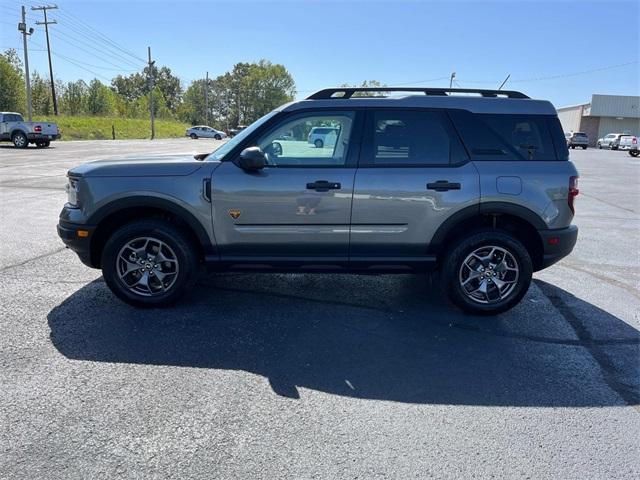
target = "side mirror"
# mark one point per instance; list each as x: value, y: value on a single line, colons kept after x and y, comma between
x: 252, y: 159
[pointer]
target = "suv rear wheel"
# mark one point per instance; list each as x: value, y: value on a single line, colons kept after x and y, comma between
x: 149, y: 263
x: 487, y: 273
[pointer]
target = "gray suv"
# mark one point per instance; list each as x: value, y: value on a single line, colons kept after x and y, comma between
x: 474, y: 183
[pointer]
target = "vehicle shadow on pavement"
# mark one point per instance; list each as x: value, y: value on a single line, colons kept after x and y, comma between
x: 374, y: 337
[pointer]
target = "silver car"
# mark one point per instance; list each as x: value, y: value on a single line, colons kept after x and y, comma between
x: 204, y: 131
x: 479, y: 188
x: 610, y: 141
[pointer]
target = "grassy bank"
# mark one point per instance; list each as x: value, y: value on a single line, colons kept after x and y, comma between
x: 99, y: 128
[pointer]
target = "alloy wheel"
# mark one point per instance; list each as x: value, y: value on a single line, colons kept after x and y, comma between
x: 147, y: 266
x: 489, y: 274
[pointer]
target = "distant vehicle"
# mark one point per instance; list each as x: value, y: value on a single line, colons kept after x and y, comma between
x: 234, y: 131
x: 610, y: 141
x: 630, y: 143
x: 204, y: 131
x: 321, y: 136
x: 577, y: 139
x: 14, y: 129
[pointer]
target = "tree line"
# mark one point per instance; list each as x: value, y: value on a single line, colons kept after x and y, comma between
x: 237, y: 97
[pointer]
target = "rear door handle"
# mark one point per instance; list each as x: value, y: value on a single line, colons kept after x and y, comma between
x: 443, y: 186
x: 323, y: 186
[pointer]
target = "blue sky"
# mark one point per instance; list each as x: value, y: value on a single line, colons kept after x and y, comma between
x: 333, y: 42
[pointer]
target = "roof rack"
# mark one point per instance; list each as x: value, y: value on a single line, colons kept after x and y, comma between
x: 347, y: 92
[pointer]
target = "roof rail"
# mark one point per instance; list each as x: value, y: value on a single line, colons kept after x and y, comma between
x: 347, y: 92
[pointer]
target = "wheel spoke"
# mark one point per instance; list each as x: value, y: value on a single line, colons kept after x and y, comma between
x: 131, y: 267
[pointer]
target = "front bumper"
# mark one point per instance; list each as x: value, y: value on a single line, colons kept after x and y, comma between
x: 557, y: 244
x: 81, y: 245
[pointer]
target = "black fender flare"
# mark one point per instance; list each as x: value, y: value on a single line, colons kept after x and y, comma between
x: 154, y: 202
x: 523, y: 213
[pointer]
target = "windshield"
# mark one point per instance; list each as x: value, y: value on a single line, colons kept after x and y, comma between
x: 222, y: 150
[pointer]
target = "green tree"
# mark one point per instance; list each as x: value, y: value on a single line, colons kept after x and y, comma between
x: 367, y: 83
x: 41, y: 95
x: 99, y: 99
x: 12, y: 85
x: 74, y: 98
x: 240, y: 96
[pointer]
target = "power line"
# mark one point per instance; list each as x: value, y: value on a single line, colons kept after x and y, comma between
x: 95, y: 54
x: 93, y: 44
x: 105, y: 38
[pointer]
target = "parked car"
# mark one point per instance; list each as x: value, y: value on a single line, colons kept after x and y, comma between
x: 203, y: 131
x: 14, y: 129
x: 321, y: 136
x: 630, y: 143
x: 577, y: 139
x: 478, y: 187
x: 234, y: 131
x: 610, y: 141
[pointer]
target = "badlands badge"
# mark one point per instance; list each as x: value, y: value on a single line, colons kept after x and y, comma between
x: 233, y: 213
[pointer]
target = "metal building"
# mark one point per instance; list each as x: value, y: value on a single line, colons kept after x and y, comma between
x: 604, y: 114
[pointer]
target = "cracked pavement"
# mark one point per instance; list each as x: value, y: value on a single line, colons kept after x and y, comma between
x: 315, y: 376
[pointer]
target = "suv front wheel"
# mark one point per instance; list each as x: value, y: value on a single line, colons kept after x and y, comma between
x: 149, y: 263
x: 487, y: 273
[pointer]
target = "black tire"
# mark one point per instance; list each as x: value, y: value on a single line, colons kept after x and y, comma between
x: 174, y: 238
x: 43, y: 143
x: 584, y: 147
x: 193, y: 136
x: 217, y: 137
x: 318, y: 143
x: 459, y: 251
x: 633, y: 153
x: 572, y: 146
x: 20, y: 140
x: 612, y: 147
x: 599, y: 146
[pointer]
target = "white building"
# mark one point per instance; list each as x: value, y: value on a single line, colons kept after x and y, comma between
x: 604, y: 114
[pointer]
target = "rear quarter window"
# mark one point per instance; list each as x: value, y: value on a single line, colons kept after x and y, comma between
x: 510, y: 137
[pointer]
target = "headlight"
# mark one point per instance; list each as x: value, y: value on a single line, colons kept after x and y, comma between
x: 72, y: 191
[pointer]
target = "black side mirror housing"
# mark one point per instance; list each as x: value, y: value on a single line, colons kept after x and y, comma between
x: 252, y: 159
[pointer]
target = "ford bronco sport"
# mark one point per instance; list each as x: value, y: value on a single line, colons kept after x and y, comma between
x: 475, y: 183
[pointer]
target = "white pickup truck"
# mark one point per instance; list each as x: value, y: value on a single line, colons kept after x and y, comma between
x: 14, y: 129
x: 630, y: 143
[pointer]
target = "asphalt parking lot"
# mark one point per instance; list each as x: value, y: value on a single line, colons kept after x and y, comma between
x: 312, y: 376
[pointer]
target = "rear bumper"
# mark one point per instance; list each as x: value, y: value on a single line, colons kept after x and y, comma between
x: 32, y: 137
x: 557, y: 244
x: 68, y: 233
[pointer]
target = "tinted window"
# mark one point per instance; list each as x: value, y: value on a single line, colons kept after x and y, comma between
x: 527, y: 134
x: 507, y: 137
x: 292, y: 142
x: 410, y: 138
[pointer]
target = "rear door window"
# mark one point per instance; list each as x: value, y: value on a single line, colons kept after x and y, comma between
x: 397, y: 138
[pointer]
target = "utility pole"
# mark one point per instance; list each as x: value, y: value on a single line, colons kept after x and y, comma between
x: 22, y: 27
x: 151, y: 85
x: 206, y: 100
x: 46, y: 24
x: 453, y: 75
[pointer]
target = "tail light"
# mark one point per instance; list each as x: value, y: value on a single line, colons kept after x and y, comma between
x: 634, y: 140
x: 37, y: 129
x: 573, y: 192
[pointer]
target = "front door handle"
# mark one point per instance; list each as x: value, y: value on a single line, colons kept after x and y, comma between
x: 323, y: 186
x: 443, y: 186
